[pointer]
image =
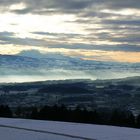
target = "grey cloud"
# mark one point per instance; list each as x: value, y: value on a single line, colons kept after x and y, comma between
x: 8, y: 38
x: 123, y: 47
x: 60, y: 35
x: 122, y: 22
x: 124, y: 4
x: 22, y: 11
x: 57, y: 5
x: 8, y: 2
x: 96, y: 14
x: 70, y: 6
x: 86, y: 11
x: 129, y: 39
x: 6, y: 33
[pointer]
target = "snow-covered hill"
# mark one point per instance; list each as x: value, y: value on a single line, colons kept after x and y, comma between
x: 21, y: 129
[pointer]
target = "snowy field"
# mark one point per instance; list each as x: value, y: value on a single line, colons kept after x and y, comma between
x: 21, y: 129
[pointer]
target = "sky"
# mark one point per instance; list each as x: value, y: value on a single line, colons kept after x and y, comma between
x: 103, y: 30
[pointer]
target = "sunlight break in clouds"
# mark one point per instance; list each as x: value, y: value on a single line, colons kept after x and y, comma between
x: 18, y: 6
x: 41, y: 25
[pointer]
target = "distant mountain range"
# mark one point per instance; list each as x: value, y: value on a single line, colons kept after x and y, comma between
x: 64, y: 67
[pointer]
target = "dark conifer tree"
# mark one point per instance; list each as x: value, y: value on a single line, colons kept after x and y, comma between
x: 138, y: 121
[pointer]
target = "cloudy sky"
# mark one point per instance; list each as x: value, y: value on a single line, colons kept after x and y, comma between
x: 105, y: 30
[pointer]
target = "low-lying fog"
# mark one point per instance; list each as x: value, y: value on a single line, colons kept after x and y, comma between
x: 65, y: 74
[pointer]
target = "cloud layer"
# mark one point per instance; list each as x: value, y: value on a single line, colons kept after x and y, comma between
x: 71, y: 26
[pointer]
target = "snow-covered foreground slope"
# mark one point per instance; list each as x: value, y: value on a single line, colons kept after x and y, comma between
x: 20, y: 129
x: 13, y: 134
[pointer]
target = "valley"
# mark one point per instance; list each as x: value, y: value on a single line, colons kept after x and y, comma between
x: 90, y: 94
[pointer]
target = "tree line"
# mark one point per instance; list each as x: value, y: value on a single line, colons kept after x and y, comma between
x: 116, y: 117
